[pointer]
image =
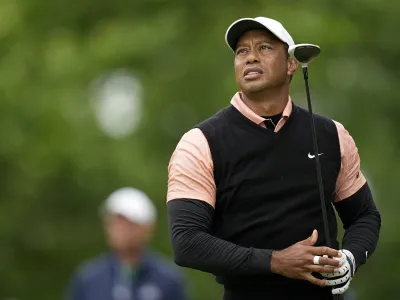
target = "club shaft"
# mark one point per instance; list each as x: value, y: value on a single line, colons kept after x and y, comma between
x: 317, y: 162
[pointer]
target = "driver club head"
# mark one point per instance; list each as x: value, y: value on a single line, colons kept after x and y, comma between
x: 304, y: 53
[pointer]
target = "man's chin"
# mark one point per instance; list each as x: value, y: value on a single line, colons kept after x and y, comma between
x: 259, y: 87
x: 254, y: 88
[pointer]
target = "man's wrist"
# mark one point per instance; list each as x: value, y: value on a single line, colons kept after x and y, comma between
x: 260, y: 261
x: 275, y: 262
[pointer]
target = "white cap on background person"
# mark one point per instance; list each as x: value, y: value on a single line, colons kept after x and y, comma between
x: 132, y: 204
x: 237, y: 28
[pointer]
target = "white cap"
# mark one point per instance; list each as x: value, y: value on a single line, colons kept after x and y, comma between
x: 133, y: 204
x: 237, y: 28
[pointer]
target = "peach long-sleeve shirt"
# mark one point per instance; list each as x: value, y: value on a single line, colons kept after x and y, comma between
x: 191, y: 170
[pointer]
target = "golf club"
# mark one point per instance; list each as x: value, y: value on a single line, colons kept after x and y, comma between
x: 304, y: 54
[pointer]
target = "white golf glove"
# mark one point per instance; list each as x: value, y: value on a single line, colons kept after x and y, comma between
x: 340, y: 280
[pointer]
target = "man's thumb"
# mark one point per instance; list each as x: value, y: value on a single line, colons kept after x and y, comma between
x: 311, y: 240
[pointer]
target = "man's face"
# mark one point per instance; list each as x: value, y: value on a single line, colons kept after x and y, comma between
x: 261, y: 62
x: 124, y: 235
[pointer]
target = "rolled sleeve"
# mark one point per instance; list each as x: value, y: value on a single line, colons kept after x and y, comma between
x: 350, y: 178
x: 191, y: 170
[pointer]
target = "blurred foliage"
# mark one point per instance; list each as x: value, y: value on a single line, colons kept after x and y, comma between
x: 57, y: 165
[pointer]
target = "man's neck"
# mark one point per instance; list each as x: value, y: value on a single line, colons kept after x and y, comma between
x: 267, y: 103
x: 129, y: 257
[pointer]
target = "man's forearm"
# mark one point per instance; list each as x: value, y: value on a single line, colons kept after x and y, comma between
x: 194, y: 247
x: 361, y: 221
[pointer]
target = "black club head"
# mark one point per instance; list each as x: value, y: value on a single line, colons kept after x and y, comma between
x: 304, y: 53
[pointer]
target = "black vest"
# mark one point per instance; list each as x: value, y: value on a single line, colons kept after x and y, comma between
x: 267, y: 188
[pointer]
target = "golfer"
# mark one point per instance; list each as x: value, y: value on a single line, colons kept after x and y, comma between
x: 243, y: 200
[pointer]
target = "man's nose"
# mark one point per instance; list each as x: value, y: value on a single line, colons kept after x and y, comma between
x: 252, y: 57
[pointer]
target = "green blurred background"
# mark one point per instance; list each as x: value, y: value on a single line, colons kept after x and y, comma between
x: 95, y: 95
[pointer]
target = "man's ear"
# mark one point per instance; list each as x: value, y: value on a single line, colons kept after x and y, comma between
x: 292, y: 66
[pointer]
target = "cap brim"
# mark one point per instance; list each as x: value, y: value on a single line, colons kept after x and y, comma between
x: 237, y: 29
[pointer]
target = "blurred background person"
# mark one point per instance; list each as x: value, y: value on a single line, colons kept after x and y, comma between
x: 129, y: 271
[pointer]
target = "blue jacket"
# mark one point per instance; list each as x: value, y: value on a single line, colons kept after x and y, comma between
x: 99, y: 279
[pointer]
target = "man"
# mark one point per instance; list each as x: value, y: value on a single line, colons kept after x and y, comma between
x: 243, y: 200
x: 129, y: 272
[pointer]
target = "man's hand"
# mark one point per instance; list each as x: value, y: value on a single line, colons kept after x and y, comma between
x: 340, y: 280
x: 297, y: 261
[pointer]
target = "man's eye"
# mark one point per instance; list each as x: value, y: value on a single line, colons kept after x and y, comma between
x: 264, y: 47
x: 241, y: 51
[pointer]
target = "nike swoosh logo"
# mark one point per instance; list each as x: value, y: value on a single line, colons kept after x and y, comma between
x: 312, y: 156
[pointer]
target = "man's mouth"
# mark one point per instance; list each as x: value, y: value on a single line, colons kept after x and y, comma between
x: 252, y: 73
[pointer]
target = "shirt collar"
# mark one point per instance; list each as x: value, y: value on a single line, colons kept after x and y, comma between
x: 238, y: 103
x: 143, y: 266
